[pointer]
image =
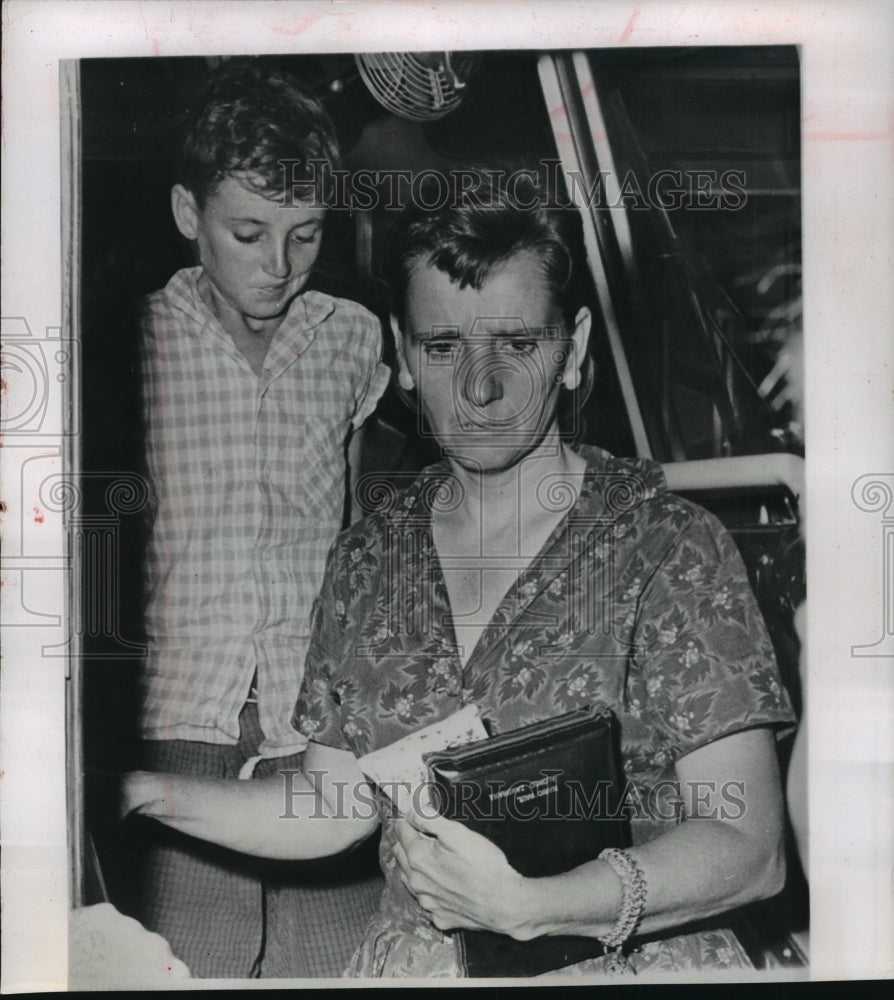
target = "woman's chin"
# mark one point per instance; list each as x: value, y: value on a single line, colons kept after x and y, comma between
x: 484, y: 459
x: 491, y: 455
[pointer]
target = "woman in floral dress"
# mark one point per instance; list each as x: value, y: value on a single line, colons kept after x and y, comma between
x: 528, y: 577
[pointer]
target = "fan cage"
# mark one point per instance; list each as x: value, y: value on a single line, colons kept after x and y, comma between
x: 420, y: 87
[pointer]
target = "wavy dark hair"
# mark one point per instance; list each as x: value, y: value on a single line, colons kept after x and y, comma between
x: 249, y: 120
x: 474, y: 229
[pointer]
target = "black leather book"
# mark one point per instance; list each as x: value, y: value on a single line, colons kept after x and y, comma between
x: 549, y: 795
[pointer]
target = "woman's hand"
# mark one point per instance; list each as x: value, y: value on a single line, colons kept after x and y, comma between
x: 461, y: 879
x: 112, y: 796
x: 138, y: 789
x: 711, y: 863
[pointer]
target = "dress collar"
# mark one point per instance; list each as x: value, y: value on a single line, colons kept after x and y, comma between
x: 611, y: 488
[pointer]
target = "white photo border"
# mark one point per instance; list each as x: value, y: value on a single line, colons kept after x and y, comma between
x: 848, y: 226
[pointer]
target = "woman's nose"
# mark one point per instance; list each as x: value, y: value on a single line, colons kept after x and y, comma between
x: 277, y: 261
x: 483, y: 379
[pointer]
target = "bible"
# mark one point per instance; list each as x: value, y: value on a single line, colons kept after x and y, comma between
x: 549, y: 795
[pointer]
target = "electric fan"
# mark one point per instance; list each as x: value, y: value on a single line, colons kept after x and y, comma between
x: 421, y: 86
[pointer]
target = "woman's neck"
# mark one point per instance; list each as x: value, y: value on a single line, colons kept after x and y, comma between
x: 490, y: 538
x: 516, y: 499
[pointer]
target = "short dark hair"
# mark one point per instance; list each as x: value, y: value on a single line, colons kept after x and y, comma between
x: 477, y: 228
x: 474, y: 230
x: 249, y: 120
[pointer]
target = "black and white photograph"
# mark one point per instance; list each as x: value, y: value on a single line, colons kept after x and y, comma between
x: 406, y: 504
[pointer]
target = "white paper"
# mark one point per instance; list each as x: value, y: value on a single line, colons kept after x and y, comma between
x: 398, y: 769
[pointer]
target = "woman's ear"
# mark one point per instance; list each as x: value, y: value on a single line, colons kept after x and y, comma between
x: 579, y: 340
x: 404, y: 376
x: 186, y: 211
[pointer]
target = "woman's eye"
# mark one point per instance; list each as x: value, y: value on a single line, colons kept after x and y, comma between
x: 440, y: 350
x: 304, y: 238
x: 247, y: 237
x: 519, y: 346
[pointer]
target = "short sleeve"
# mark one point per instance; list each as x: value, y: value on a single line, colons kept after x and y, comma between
x: 708, y: 665
x: 374, y: 375
x: 317, y: 714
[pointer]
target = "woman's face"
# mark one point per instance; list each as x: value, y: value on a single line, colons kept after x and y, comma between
x: 488, y: 364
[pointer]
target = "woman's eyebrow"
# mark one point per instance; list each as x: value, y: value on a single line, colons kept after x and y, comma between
x: 521, y: 329
x: 545, y: 332
x: 248, y: 220
x: 436, y: 333
x: 542, y: 331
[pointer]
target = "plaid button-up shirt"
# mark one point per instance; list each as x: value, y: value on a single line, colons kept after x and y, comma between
x: 248, y: 488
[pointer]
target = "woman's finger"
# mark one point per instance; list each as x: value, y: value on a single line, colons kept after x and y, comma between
x: 414, y: 852
x: 401, y: 857
x: 406, y: 832
x: 425, y: 823
x: 446, y: 919
x: 450, y: 834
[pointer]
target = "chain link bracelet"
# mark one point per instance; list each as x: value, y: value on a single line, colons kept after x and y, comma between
x: 633, y: 900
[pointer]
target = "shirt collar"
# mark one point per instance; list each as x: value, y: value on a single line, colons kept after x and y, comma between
x: 298, y: 329
x: 293, y: 337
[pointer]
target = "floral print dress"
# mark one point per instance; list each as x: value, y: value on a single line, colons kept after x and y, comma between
x: 637, y: 602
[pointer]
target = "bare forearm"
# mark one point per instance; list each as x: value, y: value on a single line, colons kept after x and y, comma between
x: 702, y: 867
x: 283, y: 816
x: 698, y: 869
